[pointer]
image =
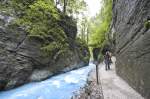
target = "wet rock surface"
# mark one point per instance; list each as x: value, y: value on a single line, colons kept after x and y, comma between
x: 133, y: 43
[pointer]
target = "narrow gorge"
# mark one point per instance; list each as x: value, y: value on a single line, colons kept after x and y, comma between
x: 74, y: 49
x: 48, y: 46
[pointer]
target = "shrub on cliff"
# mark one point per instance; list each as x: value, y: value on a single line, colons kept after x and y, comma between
x: 83, y: 49
x: 40, y: 20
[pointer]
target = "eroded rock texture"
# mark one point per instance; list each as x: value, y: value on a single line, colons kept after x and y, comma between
x: 21, y: 58
x: 133, y: 43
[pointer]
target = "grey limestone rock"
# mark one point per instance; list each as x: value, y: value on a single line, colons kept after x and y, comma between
x: 133, y: 43
x: 21, y: 58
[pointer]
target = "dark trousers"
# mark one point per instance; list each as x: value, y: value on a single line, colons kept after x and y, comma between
x: 107, y: 65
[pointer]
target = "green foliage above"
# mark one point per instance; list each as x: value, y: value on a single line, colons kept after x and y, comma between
x: 99, y: 25
x: 74, y: 6
x: 40, y: 19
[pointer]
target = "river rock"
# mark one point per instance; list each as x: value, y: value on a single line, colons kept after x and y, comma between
x: 133, y: 43
x: 38, y: 75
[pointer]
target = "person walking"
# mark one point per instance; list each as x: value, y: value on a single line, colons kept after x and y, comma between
x: 107, y: 60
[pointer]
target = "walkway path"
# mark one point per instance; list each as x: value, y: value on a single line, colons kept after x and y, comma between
x: 113, y: 86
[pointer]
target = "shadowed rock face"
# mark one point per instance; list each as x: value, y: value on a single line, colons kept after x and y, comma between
x: 133, y: 43
x: 21, y: 58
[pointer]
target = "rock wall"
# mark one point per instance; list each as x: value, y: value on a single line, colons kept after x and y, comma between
x: 21, y: 58
x: 133, y: 43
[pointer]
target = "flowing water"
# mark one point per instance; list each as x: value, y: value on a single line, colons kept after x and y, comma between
x: 61, y: 86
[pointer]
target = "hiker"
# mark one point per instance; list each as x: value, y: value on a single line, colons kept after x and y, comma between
x: 107, y: 60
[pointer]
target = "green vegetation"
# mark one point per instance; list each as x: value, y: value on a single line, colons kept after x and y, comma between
x: 72, y: 7
x: 83, y: 49
x: 41, y: 18
x: 147, y: 24
x: 99, y: 25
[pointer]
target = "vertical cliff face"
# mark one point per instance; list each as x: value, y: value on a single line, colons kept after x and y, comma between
x: 22, y: 59
x: 131, y: 23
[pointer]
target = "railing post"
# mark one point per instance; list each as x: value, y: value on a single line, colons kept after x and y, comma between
x: 97, y: 74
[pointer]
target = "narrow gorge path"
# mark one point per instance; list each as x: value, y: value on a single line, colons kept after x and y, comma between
x: 115, y: 87
x: 111, y: 86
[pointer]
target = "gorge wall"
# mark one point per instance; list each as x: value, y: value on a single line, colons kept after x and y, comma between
x: 131, y: 25
x: 21, y: 58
